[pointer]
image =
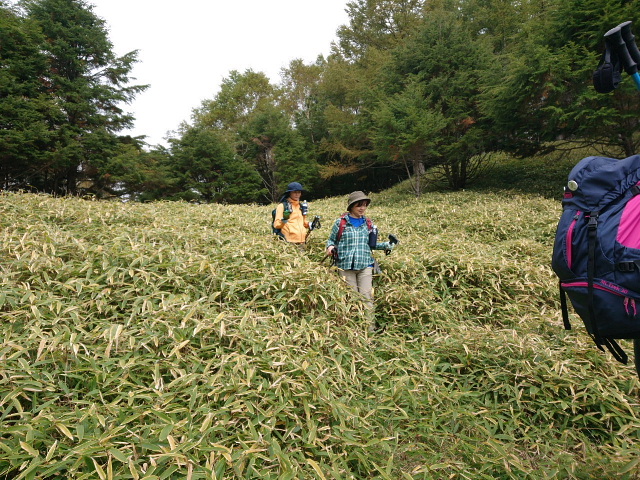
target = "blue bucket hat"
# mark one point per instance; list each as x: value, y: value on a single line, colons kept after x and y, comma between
x: 293, y: 187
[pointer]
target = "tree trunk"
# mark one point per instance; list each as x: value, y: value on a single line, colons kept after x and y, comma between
x: 418, y: 172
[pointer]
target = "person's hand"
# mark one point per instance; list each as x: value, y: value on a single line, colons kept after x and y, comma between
x: 331, y: 249
x: 388, y: 247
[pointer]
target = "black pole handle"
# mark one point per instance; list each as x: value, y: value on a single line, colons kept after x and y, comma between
x: 614, y: 39
x: 393, y: 240
x: 630, y: 41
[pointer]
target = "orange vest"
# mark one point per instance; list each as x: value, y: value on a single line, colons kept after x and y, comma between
x: 294, y: 229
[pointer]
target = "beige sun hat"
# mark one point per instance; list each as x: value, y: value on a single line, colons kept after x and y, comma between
x: 355, y: 197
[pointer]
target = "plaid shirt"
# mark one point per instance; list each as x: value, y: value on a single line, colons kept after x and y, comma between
x: 353, y: 248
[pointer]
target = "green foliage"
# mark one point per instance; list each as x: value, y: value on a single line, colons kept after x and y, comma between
x: 247, y: 113
x: 348, y: 90
x: 209, y: 169
x: 240, y: 95
x: 441, y: 67
x: 301, y: 98
x: 377, y: 25
x: 171, y: 340
x: 25, y: 108
x: 61, y: 94
x: 270, y: 143
x: 137, y: 175
x: 542, y: 175
x: 407, y: 129
x: 540, y: 89
x: 408, y: 84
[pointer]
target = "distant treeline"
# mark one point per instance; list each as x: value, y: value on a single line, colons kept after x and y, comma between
x: 409, y: 86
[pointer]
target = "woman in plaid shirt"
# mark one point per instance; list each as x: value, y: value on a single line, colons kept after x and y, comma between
x: 353, y: 248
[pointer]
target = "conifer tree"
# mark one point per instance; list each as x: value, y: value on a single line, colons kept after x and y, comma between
x: 89, y: 85
x: 26, y: 111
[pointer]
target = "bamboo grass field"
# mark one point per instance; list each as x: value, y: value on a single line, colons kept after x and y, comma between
x: 181, y: 341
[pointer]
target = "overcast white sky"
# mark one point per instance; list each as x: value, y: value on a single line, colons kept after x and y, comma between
x: 187, y: 47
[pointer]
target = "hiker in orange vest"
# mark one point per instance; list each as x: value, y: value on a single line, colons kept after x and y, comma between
x: 291, y: 215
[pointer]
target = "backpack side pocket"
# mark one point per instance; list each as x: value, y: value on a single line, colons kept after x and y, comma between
x: 567, y: 237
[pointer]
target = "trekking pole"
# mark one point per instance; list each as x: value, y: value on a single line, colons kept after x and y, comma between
x: 632, y: 48
x: 621, y: 42
x: 333, y: 255
x: 620, y: 52
x: 393, y: 240
x: 314, y: 225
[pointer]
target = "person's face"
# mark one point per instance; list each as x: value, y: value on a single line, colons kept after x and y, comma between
x: 358, y: 209
x: 295, y: 195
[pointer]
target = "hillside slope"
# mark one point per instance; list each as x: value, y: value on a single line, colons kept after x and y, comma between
x: 172, y: 340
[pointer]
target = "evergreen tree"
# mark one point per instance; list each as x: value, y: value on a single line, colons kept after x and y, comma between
x: 349, y: 91
x: 208, y: 169
x: 88, y: 84
x: 539, y: 94
x: 136, y: 174
x: 377, y: 25
x: 408, y: 130
x: 26, y: 110
x: 447, y: 61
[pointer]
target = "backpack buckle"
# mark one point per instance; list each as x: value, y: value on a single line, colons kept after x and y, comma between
x: 626, y: 267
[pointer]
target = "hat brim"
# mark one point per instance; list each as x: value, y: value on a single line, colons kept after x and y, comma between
x: 368, y: 200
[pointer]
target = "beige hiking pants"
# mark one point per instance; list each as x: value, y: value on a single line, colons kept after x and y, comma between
x: 362, y: 282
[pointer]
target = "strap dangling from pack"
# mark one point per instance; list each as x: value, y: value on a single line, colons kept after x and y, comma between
x: 615, y: 349
x: 563, y: 307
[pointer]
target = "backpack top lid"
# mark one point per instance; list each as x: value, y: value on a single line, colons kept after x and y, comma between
x: 596, y: 181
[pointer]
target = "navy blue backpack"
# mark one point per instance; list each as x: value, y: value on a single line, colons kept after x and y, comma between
x: 596, y: 254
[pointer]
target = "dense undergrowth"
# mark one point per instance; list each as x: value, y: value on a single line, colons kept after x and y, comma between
x: 172, y: 340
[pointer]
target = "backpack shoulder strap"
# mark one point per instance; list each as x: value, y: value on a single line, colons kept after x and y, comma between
x: 343, y: 223
x: 369, y: 223
x: 286, y: 205
x: 274, y: 230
